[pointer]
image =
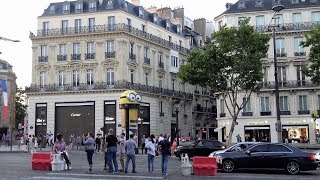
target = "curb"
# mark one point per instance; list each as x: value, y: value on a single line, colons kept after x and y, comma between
x: 14, y: 152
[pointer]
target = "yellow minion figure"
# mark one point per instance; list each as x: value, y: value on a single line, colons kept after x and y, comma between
x: 129, y: 105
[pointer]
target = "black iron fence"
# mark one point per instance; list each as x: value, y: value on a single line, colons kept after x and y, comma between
x: 289, y: 84
x: 303, y: 26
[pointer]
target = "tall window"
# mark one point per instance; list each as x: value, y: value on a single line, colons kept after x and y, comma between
x: 222, y: 106
x: 146, y: 52
x: 132, y: 48
x: 280, y: 45
x: 45, y: 26
x: 90, y: 80
x: 297, y: 47
x: 284, y: 103
x: 278, y: 19
x: 77, y: 25
x: 76, y: 48
x: 90, y: 51
x: 260, y: 22
x: 129, y: 22
x: 62, y: 49
x: 170, y: 39
x: 315, y: 16
x: 161, y: 107
x: 143, y: 28
x: 66, y: 8
x: 62, y: 78
x: 111, y: 22
x: 173, y: 84
x: 131, y: 77
x: 43, y: 80
x: 265, y: 75
x: 303, y: 103
x: 296, y: 18
x: 174, y: 61
x: 264, y: 101
x: 301, y: 77
x: 110, y: 76
x: 43, y: 50
x: 78, y: 7
x: 160, y: 82
x: 92, y: 6
x: 282, y: 76
x: 147, y: 79
x: 110, y: 46
x: 92, y: 24
x: 247, y: 106
x: 75, y: 78
x: 64, y: 26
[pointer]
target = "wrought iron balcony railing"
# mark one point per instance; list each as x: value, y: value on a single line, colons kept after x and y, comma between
x: 43, y: 59
x: 122, y: 27
x: 299, y: 53
x: 283, y: 54
x: 289, y: 84
x: 90, y: 56
x: 110, y: 54
x: 147, y: 60
x: 304, y: 26
x: 62, y: 57
x: 132, y: 56
x: 75, y: 57
x: 105, y: 86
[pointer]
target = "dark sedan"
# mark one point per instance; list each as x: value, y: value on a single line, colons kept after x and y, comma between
x: 199, y: 148
x: 268, y: 156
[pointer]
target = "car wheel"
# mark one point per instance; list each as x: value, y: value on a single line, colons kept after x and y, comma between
x: 293, y: 167
x: 228, y: 166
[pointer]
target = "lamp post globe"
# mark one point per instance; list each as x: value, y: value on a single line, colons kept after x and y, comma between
x: 278, y: 8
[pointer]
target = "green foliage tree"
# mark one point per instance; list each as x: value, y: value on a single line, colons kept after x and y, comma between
x: 230, y: 66
x: 312, y: 39
x: 20, y: 106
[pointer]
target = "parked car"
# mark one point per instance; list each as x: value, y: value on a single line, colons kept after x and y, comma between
x: 199, y: 148
x: 268, y: 156
x: 237, y: 147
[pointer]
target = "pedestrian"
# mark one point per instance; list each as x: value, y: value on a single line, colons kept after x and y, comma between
x: 161, y: 137
x: 131, y: 145
x: 79, y: 141
x: 59, y: 147
x: 165, y: 154
x: 51, y: 139
x: 238, y: 138
x: 47, y: 139
x: 143, y: 143
x: 72, y: 140
x: 151, y: 147
x: 174, y: 145
x: 4, y: 140
x: 105, y: 153
x: 9, y: 139
x: 89, y: 143
x: 21, y: 141
x: 111, y: 143
x: 98, y: 144
x: 122, y: 150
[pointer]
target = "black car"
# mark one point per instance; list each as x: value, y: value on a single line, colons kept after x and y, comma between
x: 199, y: 148
x: 268, y: 156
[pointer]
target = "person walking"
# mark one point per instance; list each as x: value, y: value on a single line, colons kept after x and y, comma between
x: 59, y: 147
x: 131, y: 145
x: 89, y: 148
x: 143, y: 144
x: 98, y: 144
x: 111, y: 143
x: 151, y: 147
x: 79, y: 142
x: 122, y: 150
x: 165, y: 154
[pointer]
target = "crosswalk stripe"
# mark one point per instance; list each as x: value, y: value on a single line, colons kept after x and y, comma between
x: 104, y: 176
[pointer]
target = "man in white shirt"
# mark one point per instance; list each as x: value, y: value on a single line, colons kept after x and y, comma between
x: 161, y: 137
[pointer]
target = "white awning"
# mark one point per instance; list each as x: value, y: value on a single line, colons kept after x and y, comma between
x: 219, y: 128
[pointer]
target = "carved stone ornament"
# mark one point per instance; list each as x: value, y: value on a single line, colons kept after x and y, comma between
x: 147, y: 70
x: 110, y: 64
x: 99, y: 43
x: 42, y: 67
x: 89, y: 65
x: 122, y: 42
x: 173, y: 76
x: 161, y: 73
x: 132, y: 65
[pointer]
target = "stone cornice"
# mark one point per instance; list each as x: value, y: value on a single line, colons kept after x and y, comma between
x: 110, y: 63
x: 42, y: 67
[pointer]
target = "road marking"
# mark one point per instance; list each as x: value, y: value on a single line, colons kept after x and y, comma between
x: 104, y: 176
x: 256, y: 176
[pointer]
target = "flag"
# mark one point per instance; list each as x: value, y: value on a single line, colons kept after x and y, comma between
x: 5, y: 98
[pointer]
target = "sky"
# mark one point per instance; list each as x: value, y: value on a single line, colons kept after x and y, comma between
x: 19, y: 17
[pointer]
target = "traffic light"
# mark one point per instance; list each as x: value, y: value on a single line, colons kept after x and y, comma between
x: 203, y: 130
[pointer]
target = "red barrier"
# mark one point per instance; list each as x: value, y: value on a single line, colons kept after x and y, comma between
x: 204, y: 166
x: 41, y: 161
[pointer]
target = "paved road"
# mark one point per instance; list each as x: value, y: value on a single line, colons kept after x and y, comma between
x: 18, y: 166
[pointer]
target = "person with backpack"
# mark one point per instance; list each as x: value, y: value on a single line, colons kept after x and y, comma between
x: 90, y: 144
x: 151, y: 147
x: 165, y: 150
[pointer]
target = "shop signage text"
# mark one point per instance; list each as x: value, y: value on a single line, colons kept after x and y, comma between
x: 75, y: 115
x: 109, y: 119
x: 258, y: 123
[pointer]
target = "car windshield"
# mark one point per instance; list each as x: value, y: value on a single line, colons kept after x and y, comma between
x: 239, y: 147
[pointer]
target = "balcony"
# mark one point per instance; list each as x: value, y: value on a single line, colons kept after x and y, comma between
x: 43, y: 59
x: 62, y: 57
x: 78, y: 10
x: 161, y: 65
x: 198, y: 108
x: 110, y: 54
x: 75, y: 57
x: 247, y: 114
x: 123, y: 85
x: 299, y: 53
x: 173, y: 114
x: 282, y: 54
x: 265, y: 113
x: 92, y: 9
x: 289, y: 84
x: 285, y: 113
x: 161, y: 114
x: 122, y: 28
x: 300, y: 112
x: 146, y: 60
x: 222, y: 114
x: 132, y: 56
x: 90, y: 56
x: 305, y: 26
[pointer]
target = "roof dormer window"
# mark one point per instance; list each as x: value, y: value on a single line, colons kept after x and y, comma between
x: 178, y: 29
x: 66, y: 8
x: 155, y: 18
x: 110, y: 4
x: 259, y: 3
x: 241, y: 5
x: 78, y: 8
x: 92, y: 6
x: 141, y: 12
x: 52, y: 10
x: 168, y: 24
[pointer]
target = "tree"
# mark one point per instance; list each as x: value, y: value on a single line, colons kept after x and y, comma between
x: 313, y: 40
x: 230, y: 66
x: 20, y: 107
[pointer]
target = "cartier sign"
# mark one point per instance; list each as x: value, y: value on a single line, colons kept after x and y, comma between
x: 75, y: 115
x: 109, y: 119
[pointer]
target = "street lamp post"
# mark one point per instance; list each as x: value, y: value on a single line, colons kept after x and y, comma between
x: 276, y: 9
x: 177, y: 103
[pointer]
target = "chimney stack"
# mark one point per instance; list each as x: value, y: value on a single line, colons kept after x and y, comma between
x: 152, y: 9
x: 136, y: 2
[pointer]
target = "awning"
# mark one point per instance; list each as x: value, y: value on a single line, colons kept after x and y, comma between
x: 219, y: 128
x: 256, y: 127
